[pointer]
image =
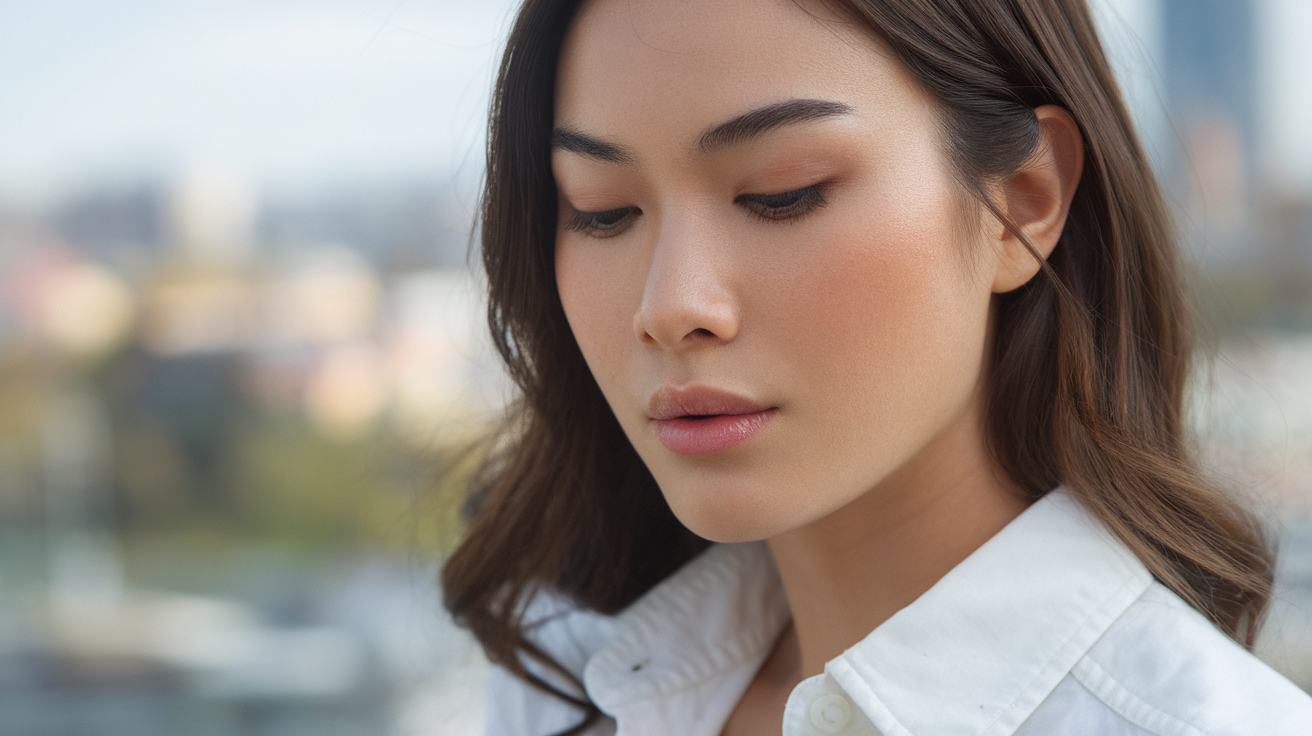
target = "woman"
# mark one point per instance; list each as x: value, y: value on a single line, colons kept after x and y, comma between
x: 880, y: 297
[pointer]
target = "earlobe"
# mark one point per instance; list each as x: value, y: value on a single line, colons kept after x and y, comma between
x: 1037, y: 198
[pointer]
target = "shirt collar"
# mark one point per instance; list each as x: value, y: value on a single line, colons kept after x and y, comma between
x: 721, y: 611
x: 982, y: 648
x: 975, y: 654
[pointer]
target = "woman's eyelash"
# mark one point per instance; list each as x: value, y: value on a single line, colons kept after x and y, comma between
x: 784, y: 205
x: 779, y: 207
x: 601, y: 224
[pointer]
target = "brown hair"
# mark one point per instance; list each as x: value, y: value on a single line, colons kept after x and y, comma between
x: 1088, y: 366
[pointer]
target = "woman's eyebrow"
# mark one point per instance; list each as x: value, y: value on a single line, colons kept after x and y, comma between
x: 565, y: 139
x: 731, y: 133
x: 756, y: 122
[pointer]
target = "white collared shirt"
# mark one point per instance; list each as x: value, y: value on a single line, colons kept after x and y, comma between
x: 1052, y: 627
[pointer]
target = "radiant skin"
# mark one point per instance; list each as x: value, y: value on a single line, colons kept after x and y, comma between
x: 811, y: 275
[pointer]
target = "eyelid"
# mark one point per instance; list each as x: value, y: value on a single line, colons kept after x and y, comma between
x: 783, y: 206
x: 787, y: 205
x: 596, y: 224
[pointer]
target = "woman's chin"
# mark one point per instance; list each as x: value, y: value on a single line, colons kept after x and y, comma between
x: 731, y: 517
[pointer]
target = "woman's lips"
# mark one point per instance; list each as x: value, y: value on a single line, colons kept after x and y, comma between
x: 700, y: 421
x: 705, y: 435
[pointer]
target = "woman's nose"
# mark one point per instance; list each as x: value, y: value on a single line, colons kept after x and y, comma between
x: 687, y: 300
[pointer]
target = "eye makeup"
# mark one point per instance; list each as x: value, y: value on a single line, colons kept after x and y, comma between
x: 784, y: 206
x: 778, y: 207
x: 602, y: 224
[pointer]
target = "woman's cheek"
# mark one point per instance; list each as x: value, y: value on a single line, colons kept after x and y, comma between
x: 596, y: 286
x: 888, y: 325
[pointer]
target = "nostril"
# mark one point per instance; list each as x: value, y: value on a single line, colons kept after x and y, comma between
x: 676, y: 326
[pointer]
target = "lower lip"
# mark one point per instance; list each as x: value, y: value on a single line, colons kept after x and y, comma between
x: 687, y: 436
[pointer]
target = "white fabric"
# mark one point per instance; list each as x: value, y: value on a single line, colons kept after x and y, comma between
x: 1052, y: 627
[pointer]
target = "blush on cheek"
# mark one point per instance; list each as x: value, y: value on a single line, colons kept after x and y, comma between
x: 893, y: 276
x: 883, y: 326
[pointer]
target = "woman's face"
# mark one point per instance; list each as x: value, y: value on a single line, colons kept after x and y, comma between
x: 762, y: 255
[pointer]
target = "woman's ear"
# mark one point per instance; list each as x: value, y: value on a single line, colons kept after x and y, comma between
x: 1037, y: 197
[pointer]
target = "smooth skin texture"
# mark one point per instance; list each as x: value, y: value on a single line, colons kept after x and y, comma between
x: 825, y: 266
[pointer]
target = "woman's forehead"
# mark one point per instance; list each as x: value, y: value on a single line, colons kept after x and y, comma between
x: 686, y: 26
x: 677, y: 66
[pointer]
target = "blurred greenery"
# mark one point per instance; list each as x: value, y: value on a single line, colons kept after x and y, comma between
x: 197, y: 468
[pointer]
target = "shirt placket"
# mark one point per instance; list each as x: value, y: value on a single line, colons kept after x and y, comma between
x: 819, y: 707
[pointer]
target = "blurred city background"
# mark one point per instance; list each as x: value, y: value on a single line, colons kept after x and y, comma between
x: 241, y: 344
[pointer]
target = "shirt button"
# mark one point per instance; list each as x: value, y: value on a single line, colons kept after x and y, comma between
x: 830, y: 713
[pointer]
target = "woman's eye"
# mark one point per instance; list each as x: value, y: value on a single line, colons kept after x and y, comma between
x: 785, y: 205
x: 601, y: 224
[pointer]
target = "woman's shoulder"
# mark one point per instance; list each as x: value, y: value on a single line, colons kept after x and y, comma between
x: 1165, y: 668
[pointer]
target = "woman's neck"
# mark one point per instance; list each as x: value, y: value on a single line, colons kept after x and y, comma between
x: 849, y: 572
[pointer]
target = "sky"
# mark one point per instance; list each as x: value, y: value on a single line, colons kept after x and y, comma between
x: 297, y: 92
x: 287, y: 90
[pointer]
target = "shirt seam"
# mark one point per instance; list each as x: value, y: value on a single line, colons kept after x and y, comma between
x: 1112, y: 693
x: 717, y: 661
x: 644, y: 625
x: 1047, y: 665
x: 691, y: 683
x: 840, y: 664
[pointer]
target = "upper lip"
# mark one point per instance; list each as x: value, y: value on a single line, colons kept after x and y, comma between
x: 672, y: 402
